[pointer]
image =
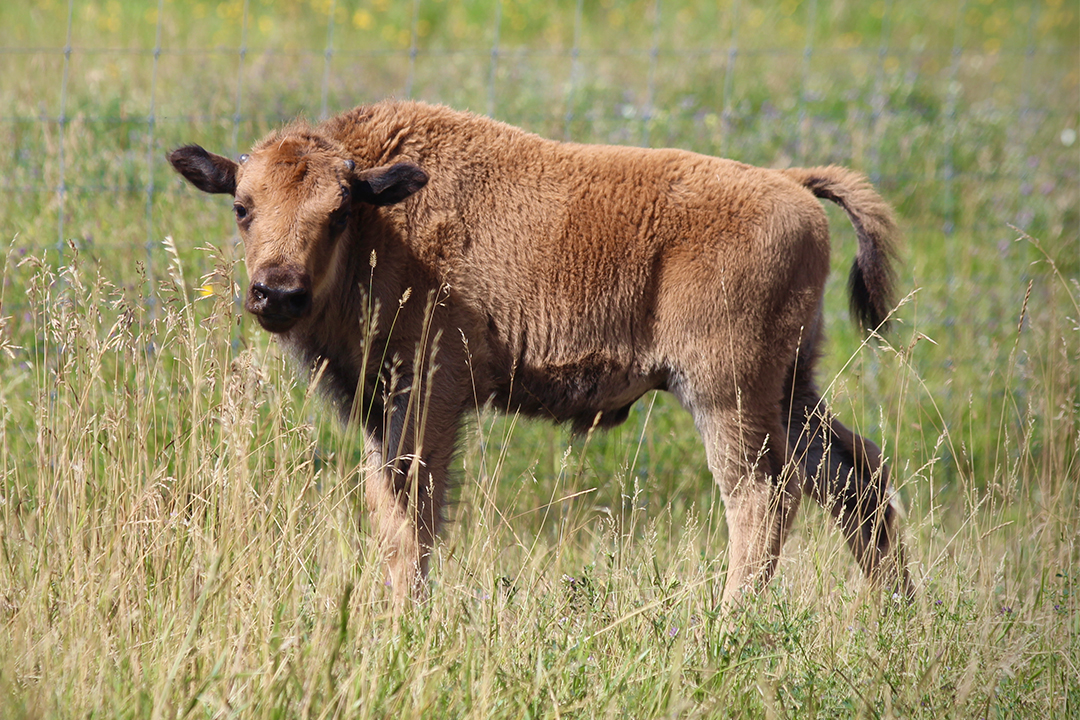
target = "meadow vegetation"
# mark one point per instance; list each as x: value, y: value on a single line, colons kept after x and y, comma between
x: 181, y: 522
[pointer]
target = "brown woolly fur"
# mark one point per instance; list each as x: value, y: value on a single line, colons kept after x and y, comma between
x: 423, y: 261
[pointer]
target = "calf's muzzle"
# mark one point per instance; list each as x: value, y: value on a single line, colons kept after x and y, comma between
x: 278, y: 297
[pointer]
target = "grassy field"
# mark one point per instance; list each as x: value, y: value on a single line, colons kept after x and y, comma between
x: 179, y: 531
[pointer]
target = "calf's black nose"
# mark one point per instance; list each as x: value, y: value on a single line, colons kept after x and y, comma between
x: 293, y: 302
x: 278, y: 298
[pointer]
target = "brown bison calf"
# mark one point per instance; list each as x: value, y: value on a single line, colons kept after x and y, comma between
x: 562, y: 281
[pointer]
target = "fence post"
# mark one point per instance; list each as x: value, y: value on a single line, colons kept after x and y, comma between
x: 240, y: 79
x: 328, y: 54
x: 61, y: 121
x: 151, y: 122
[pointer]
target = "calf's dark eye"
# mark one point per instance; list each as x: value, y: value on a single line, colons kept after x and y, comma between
x: 241, y: 211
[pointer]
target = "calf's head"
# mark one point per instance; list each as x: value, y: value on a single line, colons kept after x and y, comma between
x: 295, y: 196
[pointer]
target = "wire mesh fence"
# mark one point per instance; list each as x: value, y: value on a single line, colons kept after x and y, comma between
x: 966, y: 114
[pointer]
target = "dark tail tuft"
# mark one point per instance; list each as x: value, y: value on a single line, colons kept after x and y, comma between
x: 871, y: 281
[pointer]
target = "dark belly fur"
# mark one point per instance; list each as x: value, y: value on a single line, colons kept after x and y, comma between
x: 574, y: 393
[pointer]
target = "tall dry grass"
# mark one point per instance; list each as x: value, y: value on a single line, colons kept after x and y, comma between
x: 181, y: 537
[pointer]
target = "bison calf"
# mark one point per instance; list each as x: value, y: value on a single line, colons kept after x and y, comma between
x: 562, y: 281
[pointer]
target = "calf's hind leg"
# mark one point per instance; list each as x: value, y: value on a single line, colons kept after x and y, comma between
x: 761, y: 495
x: 844, y: 472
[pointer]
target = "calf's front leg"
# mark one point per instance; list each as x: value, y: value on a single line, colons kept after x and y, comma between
x: 406, y: 483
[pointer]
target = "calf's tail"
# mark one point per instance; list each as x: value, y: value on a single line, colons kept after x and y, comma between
x: 870, y: 283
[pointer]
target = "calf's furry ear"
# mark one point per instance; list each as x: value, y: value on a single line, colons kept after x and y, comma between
x: 209, y: 172
x: 389, y: 184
